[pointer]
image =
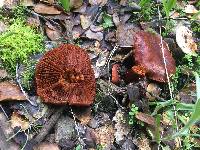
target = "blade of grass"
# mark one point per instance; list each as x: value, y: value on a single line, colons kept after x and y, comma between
x: 168, y: 5
x: 65, y: 4
x: 143, y: 2
x: 195, y: 115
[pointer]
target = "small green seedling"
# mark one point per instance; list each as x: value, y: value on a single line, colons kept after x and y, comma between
x: 107, y: 21
x: 132, y: 113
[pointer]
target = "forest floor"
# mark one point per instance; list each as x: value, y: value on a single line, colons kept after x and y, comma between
x: 130, y: 76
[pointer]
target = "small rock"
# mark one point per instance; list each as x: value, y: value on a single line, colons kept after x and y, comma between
x: 116, y: 19
x: 190, y: 9
x: 96, y: 28
x: 94, y: 35
x: 10, y: 91
x: 46, y: 146
x: 64, y: 128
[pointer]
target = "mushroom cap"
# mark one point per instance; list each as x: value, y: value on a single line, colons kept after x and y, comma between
x: 148, y: 54
x: 64, y: 76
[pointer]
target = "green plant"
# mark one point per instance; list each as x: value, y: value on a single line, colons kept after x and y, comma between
x: 107, y: 21
x: 65, y: 4
x: 17, y: 44
x: 148, y: 10
x: 132, y: 113
x: 168, y: 5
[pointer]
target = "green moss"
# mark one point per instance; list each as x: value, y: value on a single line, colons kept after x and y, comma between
x: 17, y: 44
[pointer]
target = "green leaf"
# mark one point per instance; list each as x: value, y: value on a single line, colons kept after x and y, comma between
x: 107, y: 21
x: 195, y: 115
x: 143, y: 2
x: 168, y: 5
x: 65, y: 4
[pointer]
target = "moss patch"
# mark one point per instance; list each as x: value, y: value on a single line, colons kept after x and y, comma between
x: 17, y: 44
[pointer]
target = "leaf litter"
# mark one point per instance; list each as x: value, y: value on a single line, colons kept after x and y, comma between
x: 129, y: 69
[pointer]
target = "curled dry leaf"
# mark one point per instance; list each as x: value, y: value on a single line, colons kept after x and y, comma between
x: 149, y: 58
x: 9, y: 91
x: 45, y: 9
x: 185, y: 40
x: 17, y: 121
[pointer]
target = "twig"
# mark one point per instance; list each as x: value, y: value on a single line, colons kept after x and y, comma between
x: 45, y: 129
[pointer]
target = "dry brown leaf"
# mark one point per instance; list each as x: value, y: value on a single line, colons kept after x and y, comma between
x: 84, y: 116
x: 46, y: 146
x: 3, y: 74
x: 48, y: 1
x: 76, y: 3
x: 33, y: 22
x: 45, y: 9
x: 17, y: 121
x: 94, y: 35
x: 9, y: 91
x: 98, y: 2
x: 85, y: 21
x: 185, y: 40
x: 52, y: 34
x: 146, y: 118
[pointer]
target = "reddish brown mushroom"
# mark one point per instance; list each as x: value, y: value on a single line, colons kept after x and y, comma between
x: 149, y: 58
x: 64, y: 76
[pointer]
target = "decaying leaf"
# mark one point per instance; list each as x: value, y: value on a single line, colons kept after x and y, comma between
x: 85, y: 21
x: 146, y: 118
x: 84, y: 115
x: 105, y: 135
x: 46, y: 146
x: 190, y: 9
x: 45, y: 9
x: 33, y: 22
x: 17, y: 121
x: 185, y: 40
x: 9, y: 91
x: 125, y: 35
x: 94, y: 35
x: 98, y: 2
x: 3, y: 74
x: 122, y: 129
x: 52, y: 32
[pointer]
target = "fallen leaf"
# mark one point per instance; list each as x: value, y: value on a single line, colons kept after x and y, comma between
x: 9, y: 91
x: 94, y: 35
x: 17, y: 121
x: 153, y: 90
x: 143, y: 143
x: 33, y: 22
x: 76, y: 3
x: 45, y: 9
x: 125, y: 35
x: 185, y: 40
x: 190, y: 9
x: 145, y: 118
x: 85, y: 21
x: 83, y: 115
x: 52, y: 32
x: 98, y: 2
x: 28, y: 3
x: 48, y: 1
x: 46, y: 146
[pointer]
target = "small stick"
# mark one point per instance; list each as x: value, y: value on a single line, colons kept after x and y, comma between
x: 45, y: 129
